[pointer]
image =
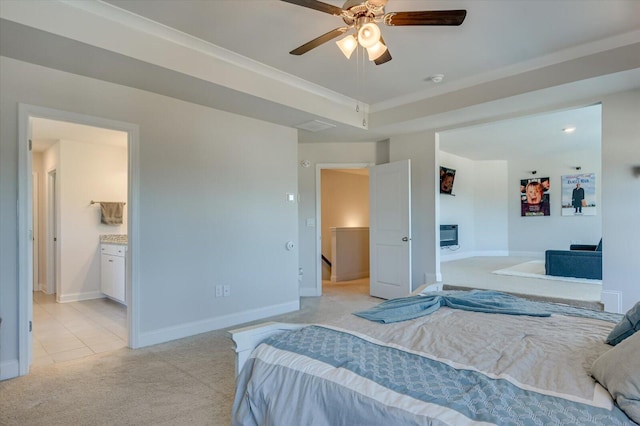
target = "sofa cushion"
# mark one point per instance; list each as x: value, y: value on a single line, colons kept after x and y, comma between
x: 574, y: 263
x: 586, y: 247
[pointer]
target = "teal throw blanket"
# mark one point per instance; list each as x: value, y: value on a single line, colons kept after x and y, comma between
x: 407, y: 308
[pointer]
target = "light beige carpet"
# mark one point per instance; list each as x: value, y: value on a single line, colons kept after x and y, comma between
x: 477, y: 273
x: 185, y: 382
x: 191, y: 381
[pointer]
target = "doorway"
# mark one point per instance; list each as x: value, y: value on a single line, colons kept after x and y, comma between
x: 487, y: 206
x: 52, y: 218
x: 342, y: 212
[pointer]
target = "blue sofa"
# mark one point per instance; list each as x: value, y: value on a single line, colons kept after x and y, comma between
x: 580, y: 261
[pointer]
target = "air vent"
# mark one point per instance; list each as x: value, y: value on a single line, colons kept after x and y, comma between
x: 315, y: 126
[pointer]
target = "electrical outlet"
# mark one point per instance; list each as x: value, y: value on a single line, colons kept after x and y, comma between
x: 218, y: 291
x: 226, y: 291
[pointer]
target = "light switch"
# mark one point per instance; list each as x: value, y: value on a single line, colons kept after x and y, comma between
x: 291, y: 197
x: 311, y: 222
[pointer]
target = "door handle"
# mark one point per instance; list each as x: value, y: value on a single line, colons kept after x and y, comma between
x: 405, y: 239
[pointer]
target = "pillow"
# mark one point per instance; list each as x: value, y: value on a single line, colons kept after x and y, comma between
x: 628, y: 325
x: 617, y: 370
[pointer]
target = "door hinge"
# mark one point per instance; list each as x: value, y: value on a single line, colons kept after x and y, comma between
x: 30, y: 326
x: 30, y: 145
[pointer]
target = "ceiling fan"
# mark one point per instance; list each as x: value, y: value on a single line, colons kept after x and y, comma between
x: 363, y: 16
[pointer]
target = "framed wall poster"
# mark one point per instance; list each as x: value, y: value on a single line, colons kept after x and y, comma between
x: 579, y: 195
x: 447, y: 176
x: 534, y: 197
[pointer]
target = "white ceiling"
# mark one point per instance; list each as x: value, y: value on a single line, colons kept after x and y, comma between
x: 496, y: 35
x: 528, y: 137
x: 509, y: 58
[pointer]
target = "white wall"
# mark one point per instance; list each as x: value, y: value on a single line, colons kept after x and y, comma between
x: 457, y: 208
x: 425, y: 230
x: 491, y: 207
x: 325, y: 153
x: 86, y: 172
x: 487, y: 206
x: 534, y: 235
x: 621, y: 197
x: 213, y: 206
x: 479, y: 207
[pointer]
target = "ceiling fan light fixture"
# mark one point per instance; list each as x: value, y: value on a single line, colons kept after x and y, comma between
x: 369, y: 35
x: 347, y: 45
x: 376, y: 50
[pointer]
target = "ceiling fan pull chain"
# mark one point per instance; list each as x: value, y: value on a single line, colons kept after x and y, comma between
x: 364, y: 75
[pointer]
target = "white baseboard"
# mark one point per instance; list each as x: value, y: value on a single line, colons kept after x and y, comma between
x: 350, y: 276
x: 308, y: 292
x: 196, y: 327
x: 446, y: 257
x: 9, y: 369
x: 77, y: 297
x: 612, y: 301
x: 536, y: 254
x: 432, y: 278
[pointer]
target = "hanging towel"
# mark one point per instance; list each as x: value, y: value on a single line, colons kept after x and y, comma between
x: 112, y: 213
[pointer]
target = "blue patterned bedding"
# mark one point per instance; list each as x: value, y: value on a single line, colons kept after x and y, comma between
x: 449, y: 368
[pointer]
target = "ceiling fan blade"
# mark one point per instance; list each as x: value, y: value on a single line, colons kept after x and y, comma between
x: 317, y: 5
x: 318, y: 41
x: 426, y: 17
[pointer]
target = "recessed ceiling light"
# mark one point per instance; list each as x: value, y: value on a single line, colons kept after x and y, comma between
x: 569, y: 129
x: 436, y: 78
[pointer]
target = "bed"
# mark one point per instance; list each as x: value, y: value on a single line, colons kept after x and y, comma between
x: 441, y: 358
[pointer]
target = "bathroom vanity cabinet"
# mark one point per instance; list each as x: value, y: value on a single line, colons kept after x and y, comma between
x: 113, y: 271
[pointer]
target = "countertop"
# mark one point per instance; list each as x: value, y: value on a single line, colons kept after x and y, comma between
x: 114, y: 239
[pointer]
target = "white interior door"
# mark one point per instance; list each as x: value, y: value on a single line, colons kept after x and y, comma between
x: 390, y: 229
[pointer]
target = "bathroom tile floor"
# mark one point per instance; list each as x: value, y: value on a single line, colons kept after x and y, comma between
x: 67, y: 331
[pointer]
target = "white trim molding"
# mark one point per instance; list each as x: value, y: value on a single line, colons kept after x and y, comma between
x: 109, y: 27
x: 318, y: 253
x: 25, y: 299
x: 196, y: 327
x: 310, y: 292
x: 78, y: 297
x: 612, y: 301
